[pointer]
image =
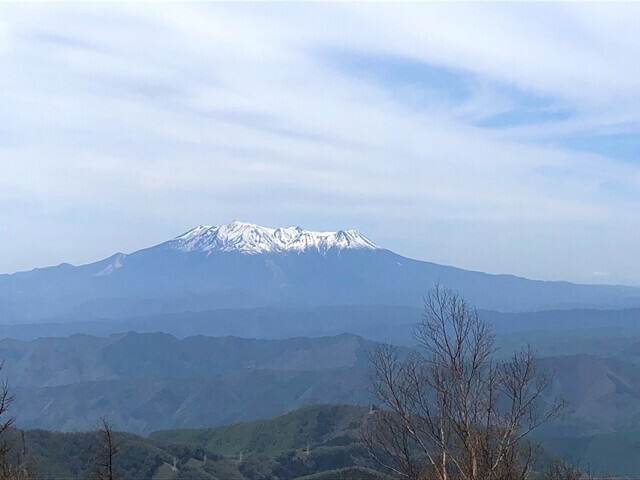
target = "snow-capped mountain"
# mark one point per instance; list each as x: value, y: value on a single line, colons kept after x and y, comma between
x: 245, y: 265
x: 254, y: 239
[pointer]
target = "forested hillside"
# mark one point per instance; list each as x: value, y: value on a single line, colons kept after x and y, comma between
x: 320, y: 441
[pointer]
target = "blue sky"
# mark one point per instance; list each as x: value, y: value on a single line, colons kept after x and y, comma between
x: 495, y: 137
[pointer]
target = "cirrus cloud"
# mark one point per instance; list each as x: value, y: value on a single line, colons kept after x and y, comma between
x: 490, y: 136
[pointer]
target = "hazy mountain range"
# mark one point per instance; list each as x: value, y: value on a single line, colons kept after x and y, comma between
x: 547, y: 329
x: 145, y: 382
x: 246, y: 265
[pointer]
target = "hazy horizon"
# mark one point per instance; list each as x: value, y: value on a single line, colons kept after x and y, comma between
x: 268, y: 226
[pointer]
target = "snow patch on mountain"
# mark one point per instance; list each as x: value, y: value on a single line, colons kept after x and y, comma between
x: 254, y: 239
x: 113, y: 266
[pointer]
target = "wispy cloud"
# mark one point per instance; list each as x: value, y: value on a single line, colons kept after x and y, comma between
x: 491, y: 136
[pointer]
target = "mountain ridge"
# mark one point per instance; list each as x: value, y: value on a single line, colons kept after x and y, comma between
x: 253, y: 239
x: 240, y: 265
x: 145, y: 382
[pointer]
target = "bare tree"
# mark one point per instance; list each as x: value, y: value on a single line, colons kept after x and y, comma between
x: 6, y: 422
x: 17, y: 471
x: 11, y: 467
x: 450, y: 411
x: 106, y: 451
x: 558, y: 470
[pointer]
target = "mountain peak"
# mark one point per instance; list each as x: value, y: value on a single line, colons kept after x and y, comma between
x: 250, y: 238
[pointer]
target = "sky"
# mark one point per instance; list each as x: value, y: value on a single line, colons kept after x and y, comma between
x: 490, y: 136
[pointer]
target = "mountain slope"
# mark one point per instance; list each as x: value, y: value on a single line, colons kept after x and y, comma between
x: 241, y: 265
x: 149, y: 403
x: 309, y: 425
x: 319, y: 442
x: 144, y: 382
x: 314, y: 442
